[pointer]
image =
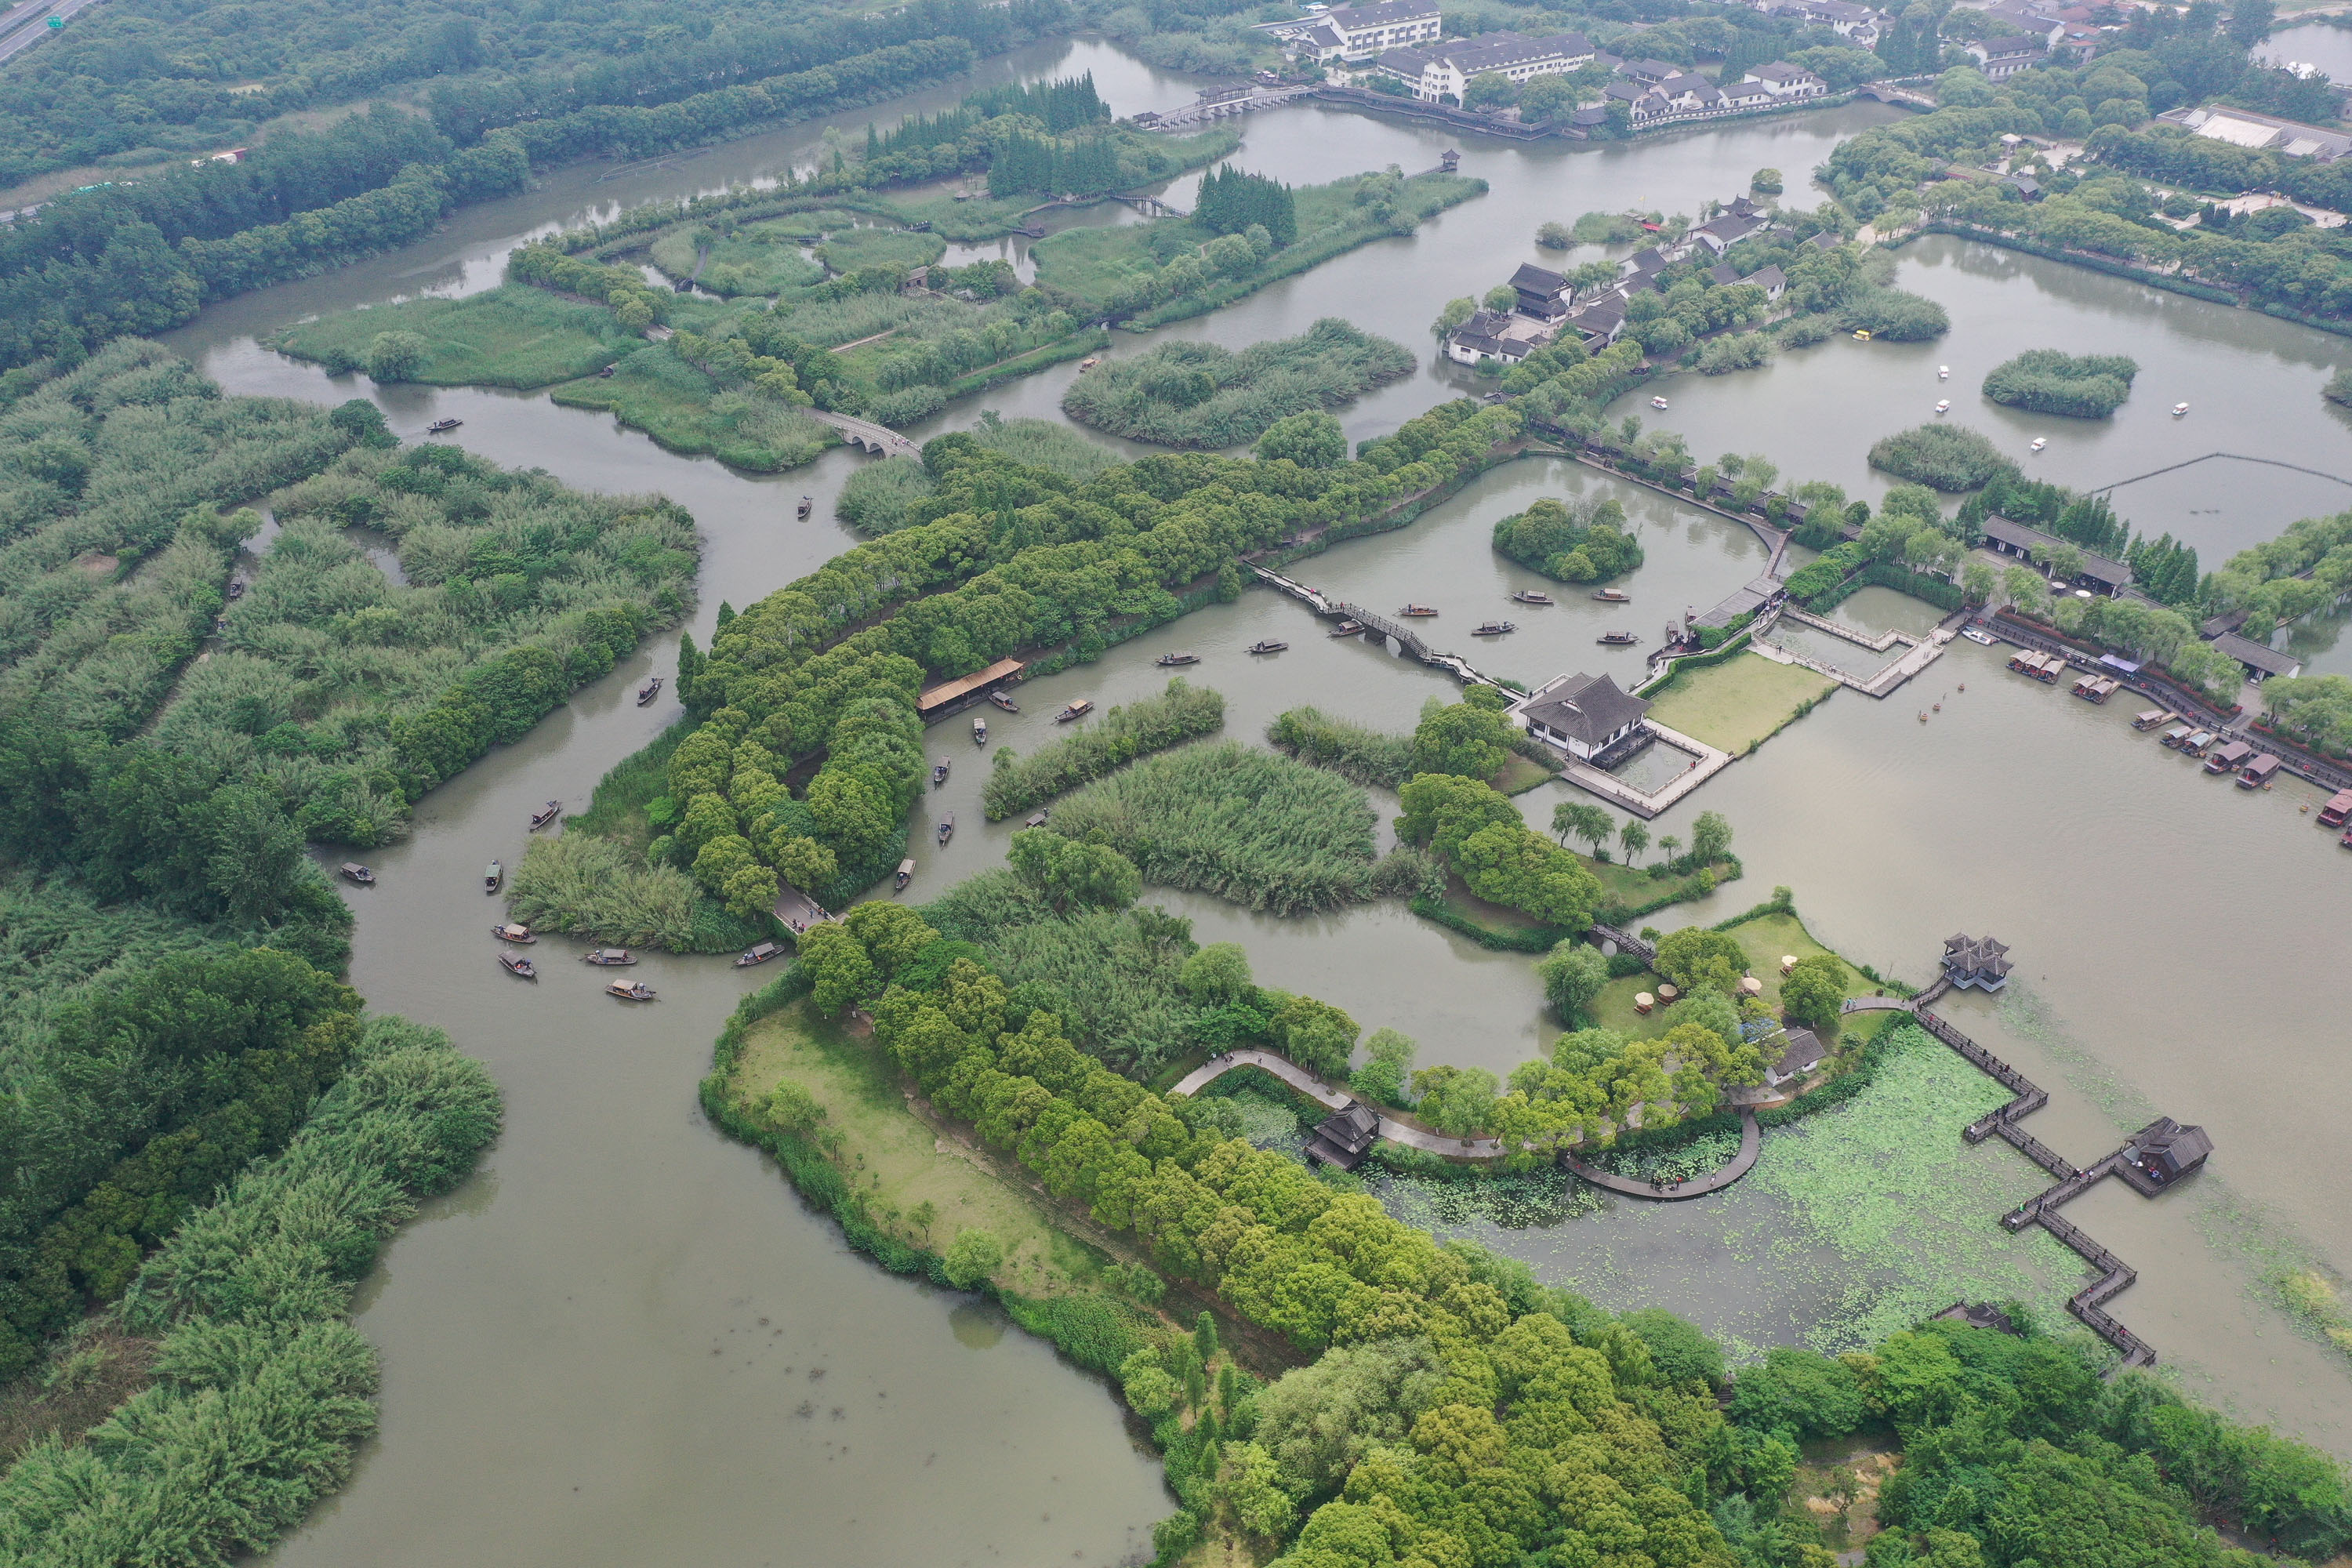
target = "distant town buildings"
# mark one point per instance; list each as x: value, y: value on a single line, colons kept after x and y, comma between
x: 1355, y: 33
x: 2262, y: 132
x: 1441, y: 70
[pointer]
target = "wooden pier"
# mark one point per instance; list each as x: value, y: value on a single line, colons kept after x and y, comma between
x: 1380, y: 625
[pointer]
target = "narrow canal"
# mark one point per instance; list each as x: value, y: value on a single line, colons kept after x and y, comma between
x: 576, y: 1367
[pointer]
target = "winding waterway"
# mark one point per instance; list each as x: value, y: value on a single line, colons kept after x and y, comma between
x: 602, y: 1349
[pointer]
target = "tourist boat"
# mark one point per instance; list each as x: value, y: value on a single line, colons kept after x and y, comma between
x: 2174, y: 736
x: 758, y: 952
x: 1492, y: 628
x: 979, y: 731
x: 1613, y: 597
x: 545, y: 814
x: 1089, y: 362
x: 1267, y: 647
x: 1975, y: 634
x: 1943, y: 372
x: 605, y: 373
x: 493, y: 877
x: 2039, y: 442
x: 2229, y: 759
x: 808, y: 504
x: 2178, y: 409
x: 630, y: 991
x: 2337, y: 809
x: 2152, y: 718
x: 609, y: 957
x: 2194, y: 746
x: 939, y: 774
x: 1004, y: 701
x: 2257, y: 774
x: 1176, y: 660
x: 355, y: 872
x: 1346, y: 630
x: 649, y: 691
x: 516, y: 963
x: 513, y: 931
x: 906, y: 874
x: 1078, y: 709
x: 947, y: 828
x: 1657, y: 403
x: 1618, y: 639
x: 1862, y: 334
x: 1535, y: 596
x: 442, y: 426
x: 235, y: 589
x: 1418, y: 612
x: 1038, y: 818
x: 1944, y: 406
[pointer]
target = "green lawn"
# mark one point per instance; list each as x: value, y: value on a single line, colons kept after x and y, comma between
x: 1736, y: 704
x: 899, y: 1161
x: 684, y: 411
x: 849, y: 250
x: 515, y: 336
x: 1765, y: 940
x: 1521, y: 774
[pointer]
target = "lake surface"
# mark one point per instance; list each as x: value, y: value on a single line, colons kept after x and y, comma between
x: 586, y: 1313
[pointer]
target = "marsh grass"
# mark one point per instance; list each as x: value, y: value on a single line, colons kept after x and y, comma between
x: 1205, y: 397
x: 1179, y: 713
x: 513, y: 336
x: 590, y: 887
x: 1247, y: 825
x: 881, y: 497
x: 846, y: 250
x: 685, y: 411
x: 758, y: 258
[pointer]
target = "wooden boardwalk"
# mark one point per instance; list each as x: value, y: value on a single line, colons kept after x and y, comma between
x: 1751, y: 1142
x: 2115, y: 1276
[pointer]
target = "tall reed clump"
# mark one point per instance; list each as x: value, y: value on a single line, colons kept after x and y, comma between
x: 1247, y: 825
x: 586, y: 886
x: 1355, y: 752
x: 1178, y: 714
x: 262, y: 1387
x: 1205, y: 397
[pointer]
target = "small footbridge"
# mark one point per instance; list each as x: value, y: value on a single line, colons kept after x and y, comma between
x: 1378, y: 625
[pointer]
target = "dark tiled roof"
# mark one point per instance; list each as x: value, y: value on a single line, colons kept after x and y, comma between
x: 1587, y: 707
x: 2247, y: 651
x: 1534, y: 279
x: 1804, y: 1054
x: 1388, y: 14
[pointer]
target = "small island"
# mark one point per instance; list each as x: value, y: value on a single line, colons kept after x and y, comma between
x: 2080, y: 386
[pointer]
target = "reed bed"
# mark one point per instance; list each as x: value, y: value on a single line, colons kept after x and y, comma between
x: 1178, y: 714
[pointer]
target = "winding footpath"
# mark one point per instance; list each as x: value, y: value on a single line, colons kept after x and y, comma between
x: 1751, y: 1143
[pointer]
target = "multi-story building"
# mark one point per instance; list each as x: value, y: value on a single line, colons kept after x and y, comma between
x: 1357, y: 33
x: 1441, y: 71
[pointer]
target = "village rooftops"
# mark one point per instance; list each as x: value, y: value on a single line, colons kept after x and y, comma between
x: 2261, y: 662
x: 1801, y: 1054
x: 1650, y: 70
x: 1533, y: 280
x: 2244, y: 128
x: 2018, y: 539
x: 2170, y: 1150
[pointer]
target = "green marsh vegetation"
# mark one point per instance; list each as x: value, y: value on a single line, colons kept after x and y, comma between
x: 513, y: 336
x: 2047, y: 381
x: 261, y: 1390
x: 685, y: 409
x: 887, y: 495
x: 1135, y: 729
x: 1172, y: 269
x: 1354, y: 751
x: 1247, y: 825
x: 1948, y: 457
x: 730, y: 259
x: 1205, y: 397
x: 846, y: 250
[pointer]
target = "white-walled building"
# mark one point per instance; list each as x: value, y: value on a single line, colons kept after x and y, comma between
x: 1581, y: 715
x: 1439, y: 70
x: 1358, y: 33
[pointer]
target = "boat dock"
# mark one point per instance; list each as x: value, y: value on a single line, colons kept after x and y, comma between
x: 1921, y: 651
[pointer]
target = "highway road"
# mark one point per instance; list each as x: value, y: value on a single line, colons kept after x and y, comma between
x: 23, y: 26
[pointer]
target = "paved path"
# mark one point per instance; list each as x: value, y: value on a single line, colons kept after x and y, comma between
x: 1751, y: 1140
x: 1306, y: 1082
x: 865, y: 433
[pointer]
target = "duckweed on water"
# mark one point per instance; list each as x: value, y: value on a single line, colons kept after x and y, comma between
x: 1535, y: 1201
x: 1709, y: 1152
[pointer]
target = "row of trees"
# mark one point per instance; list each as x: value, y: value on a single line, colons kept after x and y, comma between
x: 1231, y: 200
x: 1123, y: 735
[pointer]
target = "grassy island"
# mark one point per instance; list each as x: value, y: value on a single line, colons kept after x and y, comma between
x: 1736, y: 706
x: 1949, y: 458
x: 1205, y: 397
x: 2080, y: 386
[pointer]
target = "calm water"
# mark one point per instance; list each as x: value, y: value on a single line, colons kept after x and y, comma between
x: 575, y: 1364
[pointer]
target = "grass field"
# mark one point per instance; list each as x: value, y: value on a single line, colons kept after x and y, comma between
x: 758, y: 258
x: 1736, y: 704
x: 901, y: 1163
x: 1765, y: 941
x: 684, y: 411
x: 515, y: 336
x: 1521, y: 774
x: 849, y: 250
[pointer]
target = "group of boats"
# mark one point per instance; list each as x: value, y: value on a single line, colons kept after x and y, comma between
x: 1944, y: 372
x: 514, y: 935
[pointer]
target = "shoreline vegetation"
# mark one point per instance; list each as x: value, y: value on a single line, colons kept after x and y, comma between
x: 1205, y: 397
x: 939, y: 1044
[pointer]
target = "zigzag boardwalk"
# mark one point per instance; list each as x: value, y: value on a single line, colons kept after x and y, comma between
x: 2115, y: 1276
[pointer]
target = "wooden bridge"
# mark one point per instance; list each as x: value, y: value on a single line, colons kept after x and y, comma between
x: 2115, y: 1276
x: 1751, y: 1142
x: 1203, y: 110
x: 1626, y: 942
x: 1405, y: 637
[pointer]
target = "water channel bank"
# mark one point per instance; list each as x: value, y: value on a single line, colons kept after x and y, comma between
x: 554, y: 1325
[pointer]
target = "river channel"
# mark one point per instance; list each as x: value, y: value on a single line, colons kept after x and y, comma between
x: 606, y: 1348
